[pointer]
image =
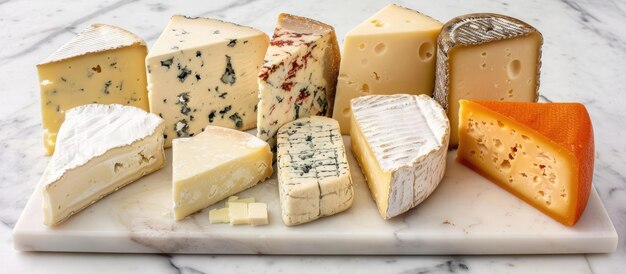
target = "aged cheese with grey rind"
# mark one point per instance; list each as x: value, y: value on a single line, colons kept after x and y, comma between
x: 313, y: 173
x: 299, y: 76
x: 480, y: 29
x: 103, y: 64
x: 400, y: 142
x: 100, y: 148
x: 203, y: 72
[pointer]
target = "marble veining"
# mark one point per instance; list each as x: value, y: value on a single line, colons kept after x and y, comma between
x: 583, y: 60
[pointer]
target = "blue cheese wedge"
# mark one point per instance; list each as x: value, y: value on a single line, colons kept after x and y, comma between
x: 203, y: 72
x: 99, y: 149
x: 313, y: 173
x: 299, y: 75
x: 103, y: 64
x: 400, y: 142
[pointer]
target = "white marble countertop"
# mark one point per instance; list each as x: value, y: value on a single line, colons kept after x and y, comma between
x: 584, y: 59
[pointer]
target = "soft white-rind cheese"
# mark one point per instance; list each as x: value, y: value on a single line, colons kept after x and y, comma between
x: 100, y: 148
x: 400, y: 142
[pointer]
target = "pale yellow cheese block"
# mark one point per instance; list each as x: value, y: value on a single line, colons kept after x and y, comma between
x: 391, y: 52
x: 215, y: 164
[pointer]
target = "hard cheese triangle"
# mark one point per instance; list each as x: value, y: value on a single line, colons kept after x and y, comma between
x: 103, y: 64
x: 215, y: 164
x: 203, y: 72
x: 99, y: 149
x: 541, y: 152
x: 299, y: 76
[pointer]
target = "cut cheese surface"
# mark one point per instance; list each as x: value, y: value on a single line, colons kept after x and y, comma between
x: 400, y: 142
x: 103, y: 64
x: 219, y: 216
x: 100, y: 148
x: 313, y: 173
x: 486, y: 57
x: 215, y: 164
x: 257, y: 214
x: 203, y: 72
x: 391, y: 52
x: 541, y: 152
x: 299, y: 76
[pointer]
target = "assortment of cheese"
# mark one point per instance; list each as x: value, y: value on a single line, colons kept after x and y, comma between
x: 406, y: 89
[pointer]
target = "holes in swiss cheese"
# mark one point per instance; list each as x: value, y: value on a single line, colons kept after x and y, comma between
x: 514, y: 68
x: 426, y: 51
x: 380, y: 48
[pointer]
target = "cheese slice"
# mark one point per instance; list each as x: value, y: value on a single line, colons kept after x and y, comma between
x: 541, y: 152
x: 100, y: 149
x: 391, y: 52
x: 489, y: 57
x: 299, y: 75
x: 313, y: 173
x: 102, y: 64
x: 257, y: 214
x: 203, y: 72
x: 400, y: 142
x: 215, y: 164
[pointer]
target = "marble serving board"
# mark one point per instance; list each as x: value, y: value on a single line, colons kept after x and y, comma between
x: 465, y: 215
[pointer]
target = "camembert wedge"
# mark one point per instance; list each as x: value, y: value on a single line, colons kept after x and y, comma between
x: 400, y: 142
x: 100, y: 148
x: 215, y: 164
x: 541, y: 152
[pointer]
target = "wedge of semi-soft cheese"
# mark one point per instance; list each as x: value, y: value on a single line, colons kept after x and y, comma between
x: 203, y: 72
x: 313, y: 173
x: 391, y: 52
x: 299, y: 75
x: 489, y: 57
x: 99, y: 149
x: 400, y: 142
x: 215, y: 164
x: 102, y: 64
x: 541, y: 152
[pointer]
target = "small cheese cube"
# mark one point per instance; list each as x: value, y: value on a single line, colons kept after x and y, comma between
x: 238, y: 214
x: 257, y: 214
x: 219, y: 216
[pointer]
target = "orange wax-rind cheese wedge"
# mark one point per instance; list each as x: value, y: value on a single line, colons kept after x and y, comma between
x: 541, y: 152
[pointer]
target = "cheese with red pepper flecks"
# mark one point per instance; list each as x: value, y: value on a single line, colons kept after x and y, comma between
x: 299, y: 75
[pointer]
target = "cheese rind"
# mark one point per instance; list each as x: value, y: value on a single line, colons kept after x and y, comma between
x: 542, y: 153
x: 391, y: 52
x: 203, y: 72
x: 102, y: 64
x: 313, y: 173
x: 488, y: 57
x: 100, y: 148
x: 299, y: 76
x: 215, y: 164
x: 400, y: 142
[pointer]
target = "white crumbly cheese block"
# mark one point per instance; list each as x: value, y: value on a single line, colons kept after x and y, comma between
x: 486, y: 56
x: 103, y: 64
x: 215, y: 164
x: 204, y: 72
x: 219, y: 216
x: 245, y: 201
x: 391, y: 52
x: 99, y: 149
x: 400, y: 142
x: 257, y: 214
x: 238, y: 214
x: 299, y: 75
x: 313, y: 173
